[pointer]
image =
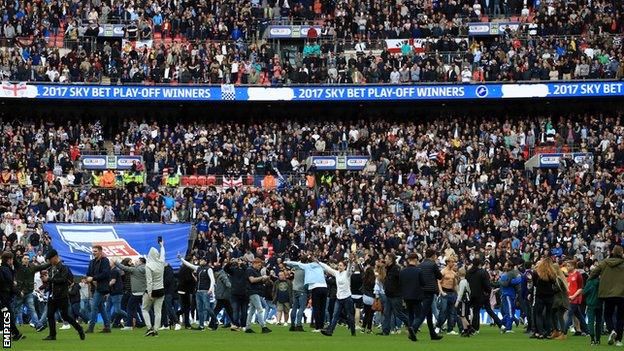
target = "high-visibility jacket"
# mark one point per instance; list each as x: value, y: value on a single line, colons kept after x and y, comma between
x: 269, y: 182
x: 173, y: 180
x: 108, y: 179
x: 127, y: 178
x: 96, y: 179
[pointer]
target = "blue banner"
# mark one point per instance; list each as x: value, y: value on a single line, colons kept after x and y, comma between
x: 313, y: 93
x: 74, y: 241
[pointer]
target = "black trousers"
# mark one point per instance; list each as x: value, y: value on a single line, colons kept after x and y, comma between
x: 427, y: 313
x: 224, y: 304
x: 319, y: 302
x: 239, y: 309
x: 185, y: 309
x: 368, y: 317
x: 414, y: 311
x: 5, y: 302
x: 542, y: 312
x: 61, y: 305
x: 476, y: 313
x: 614, y: 313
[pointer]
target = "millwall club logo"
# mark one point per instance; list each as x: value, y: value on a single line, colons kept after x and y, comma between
x: 14, y: 90
x: 228, y: 92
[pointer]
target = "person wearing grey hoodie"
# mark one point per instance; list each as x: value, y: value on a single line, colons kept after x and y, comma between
x: 138, y: 286
x: 155, y: 288
x: 223, y: 293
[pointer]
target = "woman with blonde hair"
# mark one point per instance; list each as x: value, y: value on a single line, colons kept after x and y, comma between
x: 378, y: 290
x: 544, y: 276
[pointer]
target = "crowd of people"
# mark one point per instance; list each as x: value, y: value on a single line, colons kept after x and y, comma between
x: 214, y: 46
x: 505, y: 58
x: 443, y: 221
x: 356, y: 289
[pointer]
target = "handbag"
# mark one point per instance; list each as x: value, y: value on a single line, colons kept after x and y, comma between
x: 377, y: 305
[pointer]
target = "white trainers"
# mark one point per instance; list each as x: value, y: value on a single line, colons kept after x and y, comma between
x: 32, y: 325
x: 612, y: 337
x: 177, y: 327
x: 503, y: 328
x: 437, y: 330
x: 452, y: 332
x: 126, y: 328
x: 285, y: 324
x: 618, y: 344
x: 316, y: 331
x: 65, y: 327
x: 163, y: 328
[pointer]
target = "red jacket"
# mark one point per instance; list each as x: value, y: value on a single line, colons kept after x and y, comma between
x: 575, y: 282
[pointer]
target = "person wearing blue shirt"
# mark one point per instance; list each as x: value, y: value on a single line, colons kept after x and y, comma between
x: 157, y: 20
x: 314, y: 279
x: 508, y: 284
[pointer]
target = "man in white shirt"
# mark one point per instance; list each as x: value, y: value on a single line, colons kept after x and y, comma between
x: 51, y: 215
x: 98, y: 212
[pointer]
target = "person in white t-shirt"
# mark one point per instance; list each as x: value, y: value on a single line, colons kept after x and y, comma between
x: 344, y: 302
x: 98, y: 212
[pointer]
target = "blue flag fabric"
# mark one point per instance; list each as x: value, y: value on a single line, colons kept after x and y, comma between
x: 74, y: 241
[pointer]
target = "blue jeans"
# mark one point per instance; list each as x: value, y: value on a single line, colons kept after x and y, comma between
x: 270, y: 308
x: 75, y: 310
x: 300, y: 303
x: 508, y: 308
x: 239, y: 310
x: 29, y: 301
x: 43, y: 321
x: 169, y: 312
x: 447, y: 311
x: 204, y: 309
x: 345, y: 305
x: 115, y: 308
x: 85, y: 309
x: 97, y: 306
x: 394, y: 314
x: 255, y: 307
x: 575, y: 310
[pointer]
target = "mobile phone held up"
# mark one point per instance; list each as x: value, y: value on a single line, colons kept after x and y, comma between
x: 159, y: 239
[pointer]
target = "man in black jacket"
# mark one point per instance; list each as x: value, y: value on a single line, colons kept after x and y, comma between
x: 98, y: 274
x: 25, y: 278
x: 8, y: 291
x: 116, y: 294
x: 186, y: 290
x: 480, y: 288
x: 169, y: 311
x: 58, y: 279
x: 237, y: 270
x: 430, y: 274
x: 411, y: 282
x: 394, y: 306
